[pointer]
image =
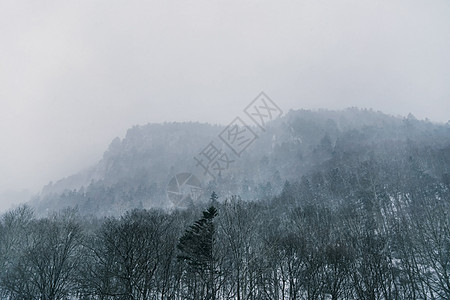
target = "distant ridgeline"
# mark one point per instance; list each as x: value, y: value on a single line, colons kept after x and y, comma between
x: 305, y: 156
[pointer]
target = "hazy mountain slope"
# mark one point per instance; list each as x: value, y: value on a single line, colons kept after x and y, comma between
x: 134, y: 171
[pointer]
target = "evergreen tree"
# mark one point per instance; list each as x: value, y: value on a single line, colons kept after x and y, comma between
x: 214, y: 197
x: 196, y: 249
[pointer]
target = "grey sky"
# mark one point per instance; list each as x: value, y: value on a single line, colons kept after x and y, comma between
x: 75, y: 74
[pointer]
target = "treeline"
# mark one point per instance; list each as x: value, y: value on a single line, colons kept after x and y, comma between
x: 364, y: 216
x: 135, y: 170
x: 362, y: 247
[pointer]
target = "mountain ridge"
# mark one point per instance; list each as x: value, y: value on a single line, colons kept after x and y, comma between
x: 134, y: 171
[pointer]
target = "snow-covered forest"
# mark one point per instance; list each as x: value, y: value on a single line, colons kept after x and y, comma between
x: 370, y: 246
x: 225, y: 150
x: 362, y: 213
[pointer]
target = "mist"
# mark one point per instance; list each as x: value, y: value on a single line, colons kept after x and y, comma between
x: 76, y: 74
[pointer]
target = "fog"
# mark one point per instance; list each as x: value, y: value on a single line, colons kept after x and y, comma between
x: 76, y: 74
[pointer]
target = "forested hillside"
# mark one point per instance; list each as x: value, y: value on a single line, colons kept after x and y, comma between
x: 134, y: 171
x: 367, y: 245
x: 324, y: 205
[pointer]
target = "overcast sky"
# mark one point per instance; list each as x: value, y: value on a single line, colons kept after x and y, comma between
x: 76, y: 74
